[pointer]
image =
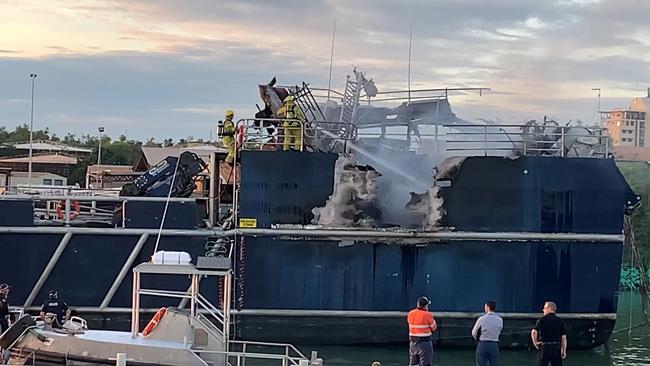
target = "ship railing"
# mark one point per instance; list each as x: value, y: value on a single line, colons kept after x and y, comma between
x: 270, y: 134
x: 493, y: 140
x: 91, y: 206
x: 399, y: 96
x: 49, y: 194
x: 550, y: 140
x: 341, y: 131
x: 283, y: 353
x: 53, y: 190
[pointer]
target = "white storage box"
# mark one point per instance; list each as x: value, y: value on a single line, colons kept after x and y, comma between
x: 167, y: 257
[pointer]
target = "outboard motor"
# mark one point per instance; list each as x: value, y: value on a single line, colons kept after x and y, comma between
x: 156, y: 182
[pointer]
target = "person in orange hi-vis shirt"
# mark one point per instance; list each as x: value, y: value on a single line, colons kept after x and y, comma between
x: 421, y: 326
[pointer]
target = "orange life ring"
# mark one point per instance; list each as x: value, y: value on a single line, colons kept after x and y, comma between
x: 74, y: 210
x: 154, y: 321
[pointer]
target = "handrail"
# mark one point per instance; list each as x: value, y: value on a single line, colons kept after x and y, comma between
x: 100, y: 198
x: 538, y: 139
x: 343, y: 131
x: 289, y: 346
x: 216, y: 332
x: 195, y: 354
x: 92, y: 210
x: 209, y: 306
x: 269, y: 133
x: 241, y: 356
x: 217, y: 316
x: 290, y: 354
x: 256, y: 134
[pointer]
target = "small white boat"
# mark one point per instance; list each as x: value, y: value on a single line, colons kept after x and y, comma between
x: 174, y: 337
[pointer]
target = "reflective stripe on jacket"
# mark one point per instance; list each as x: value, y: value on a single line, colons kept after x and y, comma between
x: 421, y: 323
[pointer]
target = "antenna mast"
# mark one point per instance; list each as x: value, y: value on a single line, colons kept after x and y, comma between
x: 409, y: 67
x: 329, y: 82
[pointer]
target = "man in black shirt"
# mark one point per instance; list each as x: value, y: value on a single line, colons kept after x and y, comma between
x: 58, y: 308
x: 4, y: 307
x: 549, y: 337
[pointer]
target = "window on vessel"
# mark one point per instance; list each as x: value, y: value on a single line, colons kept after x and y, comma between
x: 58, y: 182
x: 47, y: 182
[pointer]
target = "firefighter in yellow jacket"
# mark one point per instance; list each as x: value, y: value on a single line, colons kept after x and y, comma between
x: 293, y: 125
x: 226, y: 130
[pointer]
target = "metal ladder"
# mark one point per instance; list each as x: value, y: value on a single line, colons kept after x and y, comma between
x: 351, y: 95
x: 305, y: 100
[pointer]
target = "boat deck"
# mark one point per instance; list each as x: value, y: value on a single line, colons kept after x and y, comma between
x: 117, y: 337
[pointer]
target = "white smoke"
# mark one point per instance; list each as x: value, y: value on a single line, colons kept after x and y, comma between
x: 353, y: 202
x: 427, y: 207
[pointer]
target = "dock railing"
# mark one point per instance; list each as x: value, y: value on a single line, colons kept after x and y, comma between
x: 284, y: 354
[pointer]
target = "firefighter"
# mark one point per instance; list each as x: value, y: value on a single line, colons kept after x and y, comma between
x: 421, y: 326
x: 293, y: 125
x: 226, y: 131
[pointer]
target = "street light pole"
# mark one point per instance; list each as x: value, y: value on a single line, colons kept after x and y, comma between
x: 31, y: 135
x: 99, y: 153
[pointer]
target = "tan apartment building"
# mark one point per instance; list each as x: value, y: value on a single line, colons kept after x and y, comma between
x: 626, y: 127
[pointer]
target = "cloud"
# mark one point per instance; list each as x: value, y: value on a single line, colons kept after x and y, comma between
x: 168, y: 67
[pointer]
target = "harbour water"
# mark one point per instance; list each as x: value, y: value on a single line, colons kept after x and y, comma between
x: 625, y: 348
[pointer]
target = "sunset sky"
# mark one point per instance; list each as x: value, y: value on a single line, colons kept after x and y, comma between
x: 170, y: 68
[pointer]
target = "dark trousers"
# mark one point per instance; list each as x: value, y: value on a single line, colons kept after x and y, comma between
x: 549, y: 354
x: 4, y: 325
x: 420, y: 352
x: 487, y: 353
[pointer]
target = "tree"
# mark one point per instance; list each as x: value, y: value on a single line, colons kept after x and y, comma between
x: 151, y: 142
x: 637, y: 175
x: 120, y: 152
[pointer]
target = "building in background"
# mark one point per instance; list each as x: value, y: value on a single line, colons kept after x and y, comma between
x: 38, y: 179
x: 628, y: 129
x: 58, y: 164
x: 109, y: 176
x: 51, y: 147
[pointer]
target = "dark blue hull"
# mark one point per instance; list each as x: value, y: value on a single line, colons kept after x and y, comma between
x: 456, y: 276
x: 326, y: 291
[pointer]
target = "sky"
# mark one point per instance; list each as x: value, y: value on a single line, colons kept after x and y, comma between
x: 170, y: 68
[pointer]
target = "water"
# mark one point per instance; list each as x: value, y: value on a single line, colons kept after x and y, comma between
x: 383, y: 162
x: 624, y: 349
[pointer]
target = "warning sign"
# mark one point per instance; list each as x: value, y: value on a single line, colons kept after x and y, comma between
x: 247, y: 223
